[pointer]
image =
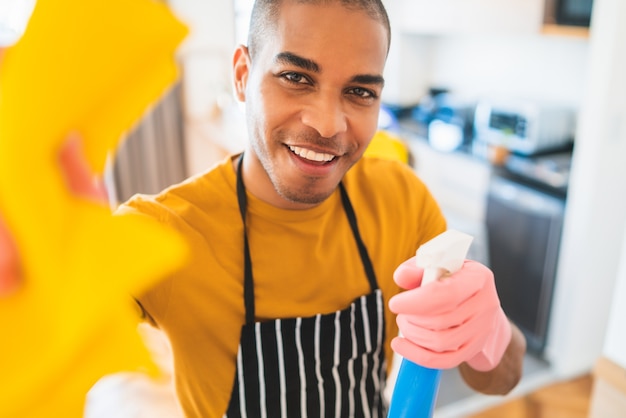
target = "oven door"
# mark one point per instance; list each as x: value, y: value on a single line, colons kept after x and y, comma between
x: 523, y: 233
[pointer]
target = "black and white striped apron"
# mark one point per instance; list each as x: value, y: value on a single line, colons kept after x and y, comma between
x: 327, y: 365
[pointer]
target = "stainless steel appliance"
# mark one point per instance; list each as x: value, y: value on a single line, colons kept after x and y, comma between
x: 524, y: 219
x: 524, y: 127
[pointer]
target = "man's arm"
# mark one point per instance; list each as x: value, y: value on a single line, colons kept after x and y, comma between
x: 507, y: 373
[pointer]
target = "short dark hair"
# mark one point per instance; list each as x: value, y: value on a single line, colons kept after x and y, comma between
x: 265, y: 13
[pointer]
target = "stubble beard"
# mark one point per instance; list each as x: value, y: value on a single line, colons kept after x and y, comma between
x: 307, y: 193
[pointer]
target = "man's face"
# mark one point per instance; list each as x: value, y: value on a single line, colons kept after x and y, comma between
x: 312, y: 98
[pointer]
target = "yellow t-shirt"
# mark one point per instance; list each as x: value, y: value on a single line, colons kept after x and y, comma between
x: 304, y: 262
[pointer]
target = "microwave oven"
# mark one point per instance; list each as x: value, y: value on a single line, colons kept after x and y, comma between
x: 573, y: 12
x: 524, y: 127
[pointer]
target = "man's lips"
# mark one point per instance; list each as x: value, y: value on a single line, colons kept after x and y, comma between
x: 308, y: 154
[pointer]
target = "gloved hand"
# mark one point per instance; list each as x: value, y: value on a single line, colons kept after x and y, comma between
x: 80, y: 181
x: 452, y: 320
x: 79, y: 177
x: 9, y: 267
x: 8, y: 253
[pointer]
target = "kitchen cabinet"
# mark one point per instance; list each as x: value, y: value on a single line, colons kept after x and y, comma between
x: 457, y: 180
x: 551, y: 27
x: 469, y: 16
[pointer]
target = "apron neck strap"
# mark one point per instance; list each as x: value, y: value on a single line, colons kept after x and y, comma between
x: 365, y: 258
x: 248, y: 282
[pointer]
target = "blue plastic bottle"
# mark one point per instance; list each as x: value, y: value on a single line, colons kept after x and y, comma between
x: 415, y: 392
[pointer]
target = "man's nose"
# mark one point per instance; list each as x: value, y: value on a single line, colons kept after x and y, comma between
x: 326, y: 114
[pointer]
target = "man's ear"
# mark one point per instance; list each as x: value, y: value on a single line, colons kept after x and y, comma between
x: 241, y: 69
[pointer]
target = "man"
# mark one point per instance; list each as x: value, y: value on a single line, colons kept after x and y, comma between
x: 294, y: 244
x: 283, y: 309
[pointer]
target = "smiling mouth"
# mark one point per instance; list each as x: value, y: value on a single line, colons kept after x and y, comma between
x: 307, y: 154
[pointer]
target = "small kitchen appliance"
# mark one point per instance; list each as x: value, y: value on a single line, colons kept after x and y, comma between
x: 524, y: 127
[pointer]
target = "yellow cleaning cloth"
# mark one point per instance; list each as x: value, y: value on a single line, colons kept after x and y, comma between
x: 93, y: 67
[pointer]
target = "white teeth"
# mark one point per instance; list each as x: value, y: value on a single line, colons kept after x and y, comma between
x: 311, y: 155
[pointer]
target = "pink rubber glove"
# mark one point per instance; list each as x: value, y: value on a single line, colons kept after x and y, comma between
x: 452, y: 320
x: 79, y: 177
x: 9, y: 266
x: 9, y: 269
x: 80, y: 181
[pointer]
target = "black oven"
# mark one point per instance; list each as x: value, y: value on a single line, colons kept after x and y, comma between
x: 573, y: 12
x: 524, y: 221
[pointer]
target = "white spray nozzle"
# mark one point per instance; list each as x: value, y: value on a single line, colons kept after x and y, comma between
x: 443, y: 254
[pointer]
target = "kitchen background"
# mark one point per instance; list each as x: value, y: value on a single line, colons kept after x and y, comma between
x: 567, y: 241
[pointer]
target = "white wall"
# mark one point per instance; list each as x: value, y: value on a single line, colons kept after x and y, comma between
x: 213, y: 124
x: 207, y: 51
x: 545, y: 68
x: 596, y: 213
x: 537, y: 67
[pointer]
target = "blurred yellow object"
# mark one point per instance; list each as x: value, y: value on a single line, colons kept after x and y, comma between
x: 385, y: 145
x: 93, y: 67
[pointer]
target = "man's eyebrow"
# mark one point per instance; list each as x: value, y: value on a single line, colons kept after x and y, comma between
x: 293, y: 59
x: 368, y: 79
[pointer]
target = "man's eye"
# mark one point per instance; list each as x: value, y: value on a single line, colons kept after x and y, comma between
x: 295, y: 77
x: 363, y: 93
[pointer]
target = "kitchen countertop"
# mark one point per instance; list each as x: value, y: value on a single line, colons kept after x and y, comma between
x: 548, y: 171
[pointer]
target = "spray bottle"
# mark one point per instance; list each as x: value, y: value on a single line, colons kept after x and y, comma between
x: 416, y: 387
